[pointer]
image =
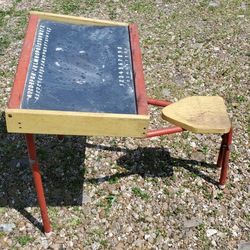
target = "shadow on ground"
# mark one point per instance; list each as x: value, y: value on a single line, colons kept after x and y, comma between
x: 153, y: 162
x: 62, y: 168
x: 61, y: 165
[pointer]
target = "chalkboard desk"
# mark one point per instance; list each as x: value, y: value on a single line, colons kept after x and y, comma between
x: 80, y: 76
x: 77, y: 76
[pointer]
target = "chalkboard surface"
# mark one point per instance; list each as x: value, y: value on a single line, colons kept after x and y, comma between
x: 80, y: 68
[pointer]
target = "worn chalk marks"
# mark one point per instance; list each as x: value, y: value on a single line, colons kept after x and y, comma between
x: 123, y: 62
x: 34, y: 84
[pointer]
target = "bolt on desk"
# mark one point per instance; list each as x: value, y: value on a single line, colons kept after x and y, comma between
x: 80, y: 76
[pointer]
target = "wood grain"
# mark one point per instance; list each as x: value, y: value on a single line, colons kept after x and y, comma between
x: 75, y: 123
x: 76, y: 20
x: 199, y: 114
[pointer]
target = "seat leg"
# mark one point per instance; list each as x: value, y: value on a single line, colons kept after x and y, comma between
x: 224, y: 157
x: 38, y: 182
x: 222, y: 151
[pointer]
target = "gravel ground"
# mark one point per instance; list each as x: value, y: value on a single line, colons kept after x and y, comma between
x: 125, y: 193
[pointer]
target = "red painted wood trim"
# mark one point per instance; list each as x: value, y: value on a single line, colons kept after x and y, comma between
x: 23, y: 65
x: 140, y: 89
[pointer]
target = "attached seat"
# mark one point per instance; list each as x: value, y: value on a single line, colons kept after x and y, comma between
x: 199, y: 114
x: 205, y: 115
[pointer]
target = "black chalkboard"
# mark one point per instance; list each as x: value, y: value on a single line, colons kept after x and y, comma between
x: 80, y: 68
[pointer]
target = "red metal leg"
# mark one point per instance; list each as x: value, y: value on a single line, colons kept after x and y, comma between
x: 38, y: 182
x: 225, y: 157
x: 222, y: 151
x: 164, y: 131
x: 160, y: 103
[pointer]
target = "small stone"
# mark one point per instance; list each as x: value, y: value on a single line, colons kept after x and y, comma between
x: 120, y: 246
x: 138, y: 243
x: 198, y: 136
x: 9, y: 242
x: 194, y: 222
x: 28, y: 209
x: 115, y: 226
x: 85, y: 199
x: 222, y: 210
x: 198, y: 156
x: 101, y: 179
x: 235, y: 104
x: 189, y: 233
x: 214, y: 3
x: 44, y: 242
x: 70, y: 243
x: 234, y: 230
x: 221, y: 235
x: 179, y: 79
x: 213, y: 242
x: 197, y: 45
x: 165, y: 246
x: 7, y: 228
x: 22, y: 228
x: 159, y: 240
x: 165, y: 92
x: 102, y: 214
x: 211, y: 232
x: 56, y: 246
x: 244, y: 246
x: 136, y: 216
x: 95, y: 246
x: 244, y: 6
x: 62, y: 234
x: 149, y: 219
x: 128, y: 229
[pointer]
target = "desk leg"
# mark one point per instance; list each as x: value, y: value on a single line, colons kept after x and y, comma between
x: 38, y: 181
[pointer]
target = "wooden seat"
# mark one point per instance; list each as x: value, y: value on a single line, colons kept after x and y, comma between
x: 199, y: 114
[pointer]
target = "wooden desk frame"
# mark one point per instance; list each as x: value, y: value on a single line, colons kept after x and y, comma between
x: 76, y: 123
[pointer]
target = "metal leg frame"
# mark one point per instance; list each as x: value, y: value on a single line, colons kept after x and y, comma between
x: 222, y: 162
x: 38, y: 182
x: 162, y: 131
x: 223, y: 158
